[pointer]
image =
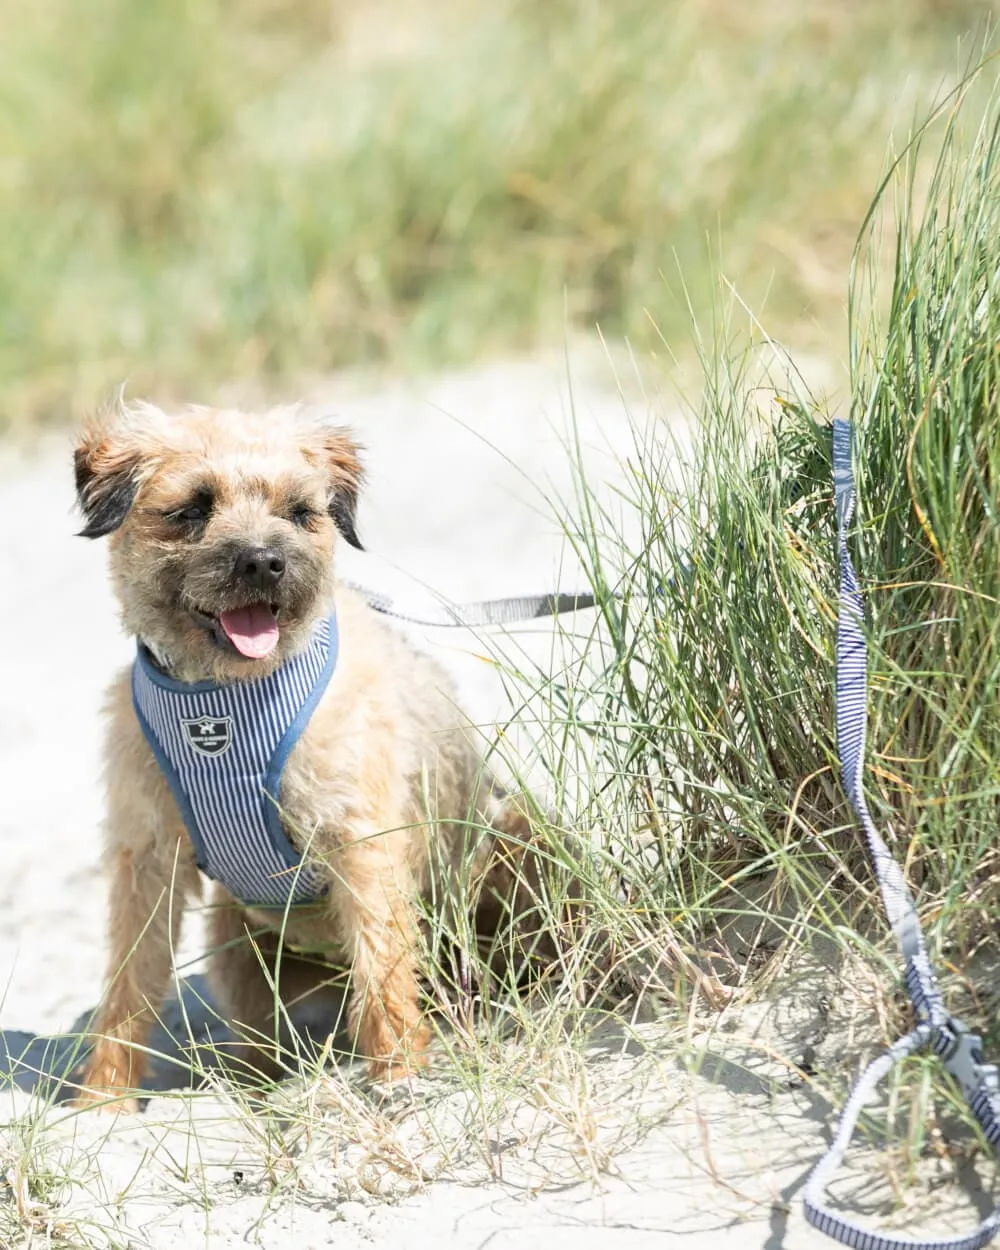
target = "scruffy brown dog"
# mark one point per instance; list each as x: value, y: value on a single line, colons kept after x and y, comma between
x: 223, y: 529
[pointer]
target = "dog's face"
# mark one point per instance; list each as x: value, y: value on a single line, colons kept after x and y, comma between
x: 223, y: 526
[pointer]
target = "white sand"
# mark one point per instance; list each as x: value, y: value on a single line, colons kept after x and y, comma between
x: 444, y: 505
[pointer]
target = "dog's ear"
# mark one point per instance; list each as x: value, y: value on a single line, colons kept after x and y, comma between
x: 341, y: 453
x: 107, y: 478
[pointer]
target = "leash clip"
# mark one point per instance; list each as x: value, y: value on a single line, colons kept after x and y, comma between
x: 961, y: 1052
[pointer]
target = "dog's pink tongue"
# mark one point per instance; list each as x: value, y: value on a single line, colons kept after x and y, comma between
x: 252, y: 631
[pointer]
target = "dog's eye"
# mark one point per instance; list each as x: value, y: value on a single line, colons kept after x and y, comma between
x: 195, y: 512
x: 302, y: 515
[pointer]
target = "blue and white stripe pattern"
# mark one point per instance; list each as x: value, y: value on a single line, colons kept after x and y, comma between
x: 222, y: 749
x: 959, y: 1050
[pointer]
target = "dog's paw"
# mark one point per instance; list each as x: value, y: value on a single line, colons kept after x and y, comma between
x: 401, y: 1061
x: 396, y: 1068
x: 110, y: 1101
x: 104, y: 1095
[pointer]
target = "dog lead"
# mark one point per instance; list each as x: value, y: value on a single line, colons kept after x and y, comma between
x: 948, y: 1037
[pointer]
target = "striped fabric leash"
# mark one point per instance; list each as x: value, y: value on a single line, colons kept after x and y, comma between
x: 959, y: 1050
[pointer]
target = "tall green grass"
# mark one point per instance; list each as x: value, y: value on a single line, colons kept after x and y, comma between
x: 689, y: 736
x: 191, y: 193
x: 694, y: 729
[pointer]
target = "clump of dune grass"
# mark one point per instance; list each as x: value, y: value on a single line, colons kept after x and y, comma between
x: 693, y: 729
x: 711, y: 721
x: 196, y: 193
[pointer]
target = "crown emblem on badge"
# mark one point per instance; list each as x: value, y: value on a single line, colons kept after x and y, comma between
x: 209, y: 735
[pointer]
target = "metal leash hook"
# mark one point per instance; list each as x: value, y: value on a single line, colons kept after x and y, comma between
x: 981, y: 1079
x: 959, y: 1050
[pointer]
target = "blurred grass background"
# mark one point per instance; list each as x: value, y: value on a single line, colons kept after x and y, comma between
x: 193, y: 191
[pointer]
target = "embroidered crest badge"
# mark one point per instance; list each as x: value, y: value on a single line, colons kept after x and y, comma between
x: 210, y: 735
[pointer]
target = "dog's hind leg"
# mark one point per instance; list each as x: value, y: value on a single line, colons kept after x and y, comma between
x: 240, y: 972
x: 521, y: 916
x: 275, y: 1002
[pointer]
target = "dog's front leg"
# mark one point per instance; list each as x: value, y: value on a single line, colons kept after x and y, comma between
x: 149, y: 888
x: 376, y: 915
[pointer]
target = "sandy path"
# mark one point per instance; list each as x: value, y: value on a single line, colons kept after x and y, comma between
x: 450, y: 502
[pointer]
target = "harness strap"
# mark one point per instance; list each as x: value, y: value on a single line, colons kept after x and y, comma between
x: 485, y: 612
x: 948, y: 1037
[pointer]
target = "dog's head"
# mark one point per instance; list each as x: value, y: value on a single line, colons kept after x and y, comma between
x: 223, y: 526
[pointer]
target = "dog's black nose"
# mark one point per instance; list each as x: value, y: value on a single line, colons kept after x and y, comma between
x: 261, y: 567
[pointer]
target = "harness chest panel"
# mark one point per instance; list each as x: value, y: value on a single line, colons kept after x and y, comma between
x: 223, y: 749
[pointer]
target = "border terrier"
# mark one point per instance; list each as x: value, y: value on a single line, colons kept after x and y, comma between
x: 274, y: 734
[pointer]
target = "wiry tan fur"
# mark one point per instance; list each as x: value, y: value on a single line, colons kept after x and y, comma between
x: 379, y: 788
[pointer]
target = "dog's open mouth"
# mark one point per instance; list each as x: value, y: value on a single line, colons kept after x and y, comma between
x: 252, y: 631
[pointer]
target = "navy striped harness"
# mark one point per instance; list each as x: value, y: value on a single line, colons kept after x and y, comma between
x: 223, y: 749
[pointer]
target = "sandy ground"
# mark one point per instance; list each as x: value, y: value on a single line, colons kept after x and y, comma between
x: 455, y: 468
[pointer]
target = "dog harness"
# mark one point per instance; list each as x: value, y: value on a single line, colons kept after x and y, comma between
x: 223, y: 749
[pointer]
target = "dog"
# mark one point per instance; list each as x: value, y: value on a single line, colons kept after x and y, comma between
x: 223, y: 528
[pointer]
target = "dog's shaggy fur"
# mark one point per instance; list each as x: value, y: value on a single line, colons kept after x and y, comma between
x: 386, y: 785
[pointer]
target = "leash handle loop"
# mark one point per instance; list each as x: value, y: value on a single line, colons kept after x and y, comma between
x: 959, y: 1050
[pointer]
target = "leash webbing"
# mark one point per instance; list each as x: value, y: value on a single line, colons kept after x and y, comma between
x: 484, y: 613
x: 959, y: 1050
